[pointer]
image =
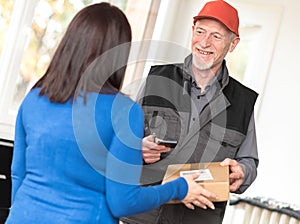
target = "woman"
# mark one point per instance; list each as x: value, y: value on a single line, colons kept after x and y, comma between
x: 77, y: 156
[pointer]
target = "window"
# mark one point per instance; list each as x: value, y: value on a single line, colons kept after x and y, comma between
x: 254, y: 52
x: 29, y: 34
x: 6, y: 8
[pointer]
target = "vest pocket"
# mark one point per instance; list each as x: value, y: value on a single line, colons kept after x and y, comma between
x: 226, y: 141
x: 164, y: 124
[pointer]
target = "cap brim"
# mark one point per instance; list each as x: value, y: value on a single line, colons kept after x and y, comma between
x: 211, y: 17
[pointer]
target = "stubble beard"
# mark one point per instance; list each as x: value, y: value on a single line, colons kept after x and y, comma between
x: 201, y: 65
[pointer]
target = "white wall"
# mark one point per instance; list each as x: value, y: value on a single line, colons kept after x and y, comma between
x: 279, y: 111
x: 279, y: 118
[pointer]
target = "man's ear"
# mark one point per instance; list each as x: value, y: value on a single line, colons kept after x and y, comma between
x: 233, y: 43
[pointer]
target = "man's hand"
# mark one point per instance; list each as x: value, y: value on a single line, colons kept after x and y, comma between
x: 152, y: 151
x: 236, y: 176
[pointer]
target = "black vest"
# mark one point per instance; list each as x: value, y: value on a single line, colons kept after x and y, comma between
x: 168, y: 87
x: 219, y: 132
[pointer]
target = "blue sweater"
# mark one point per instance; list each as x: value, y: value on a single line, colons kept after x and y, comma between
x: 76, y: 163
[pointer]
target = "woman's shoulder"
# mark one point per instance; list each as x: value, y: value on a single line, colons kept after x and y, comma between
x: 124, y: 102
x: 118, y: 103
x: 31, y: 96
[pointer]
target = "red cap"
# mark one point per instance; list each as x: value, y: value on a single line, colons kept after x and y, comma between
x: 221, y: 11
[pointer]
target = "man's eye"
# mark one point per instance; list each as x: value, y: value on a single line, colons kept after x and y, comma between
x: 217, y: 37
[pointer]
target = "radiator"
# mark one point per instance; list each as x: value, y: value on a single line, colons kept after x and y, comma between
x: 260, y: 211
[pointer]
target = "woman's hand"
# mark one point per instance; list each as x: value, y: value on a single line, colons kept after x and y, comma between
x: 197, y: 195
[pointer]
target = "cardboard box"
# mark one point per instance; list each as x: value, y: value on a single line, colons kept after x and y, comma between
x: 215, y: 178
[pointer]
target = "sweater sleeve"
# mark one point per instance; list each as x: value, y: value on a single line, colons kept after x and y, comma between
x: 124, y: 163
x: 18, y: 161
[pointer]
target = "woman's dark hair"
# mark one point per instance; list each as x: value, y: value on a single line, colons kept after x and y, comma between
x: 78, y: 65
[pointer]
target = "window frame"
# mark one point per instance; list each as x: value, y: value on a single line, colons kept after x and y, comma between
x: 17, y: 37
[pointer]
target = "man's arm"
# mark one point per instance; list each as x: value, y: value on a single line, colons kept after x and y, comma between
x: 244, y: 168
x: 152, y: 151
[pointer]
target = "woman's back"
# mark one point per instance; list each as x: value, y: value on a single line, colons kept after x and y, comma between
x: 60, y: 181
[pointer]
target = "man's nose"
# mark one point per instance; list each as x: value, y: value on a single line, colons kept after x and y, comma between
x: 205, y: 41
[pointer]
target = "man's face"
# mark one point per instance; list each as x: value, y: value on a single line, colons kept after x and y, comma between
x: 211, y: 41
